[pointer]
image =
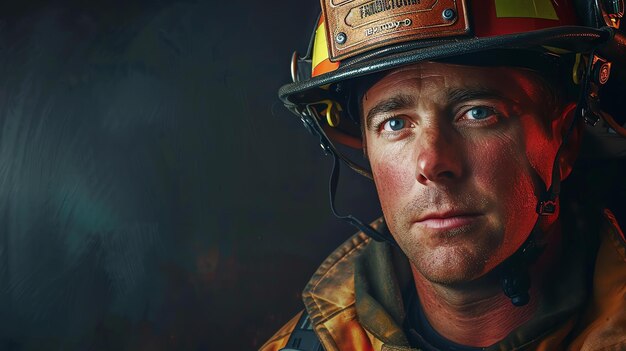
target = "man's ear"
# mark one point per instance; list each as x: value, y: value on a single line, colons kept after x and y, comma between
x: 571, y: 142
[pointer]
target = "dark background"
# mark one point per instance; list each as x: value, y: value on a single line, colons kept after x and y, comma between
x: 154, y: 193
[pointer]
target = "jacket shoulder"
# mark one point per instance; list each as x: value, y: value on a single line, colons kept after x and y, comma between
x: 604, y: 321
x: 329, y: 295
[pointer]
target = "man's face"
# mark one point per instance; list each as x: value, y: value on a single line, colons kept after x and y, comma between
x: 459, y: 156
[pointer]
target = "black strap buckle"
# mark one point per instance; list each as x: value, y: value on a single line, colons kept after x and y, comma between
x: 546, y: 208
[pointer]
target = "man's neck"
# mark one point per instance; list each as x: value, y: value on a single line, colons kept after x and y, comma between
x: 471, y: 315
x: 477, y: 313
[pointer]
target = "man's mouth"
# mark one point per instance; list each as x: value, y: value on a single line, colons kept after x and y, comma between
x: 448, y: 220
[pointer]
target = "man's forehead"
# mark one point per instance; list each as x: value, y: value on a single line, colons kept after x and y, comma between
x: 449, y: 80
x: 442, y: 75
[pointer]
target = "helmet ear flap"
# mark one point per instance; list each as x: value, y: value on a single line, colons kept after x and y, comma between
x: 588, y: 12
x: 600, y: 13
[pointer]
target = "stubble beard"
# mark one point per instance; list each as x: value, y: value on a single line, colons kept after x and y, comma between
x: 450, y: 265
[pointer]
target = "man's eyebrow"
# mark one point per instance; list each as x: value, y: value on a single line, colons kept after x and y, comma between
x: 459, y: 95
x: 394, y: 103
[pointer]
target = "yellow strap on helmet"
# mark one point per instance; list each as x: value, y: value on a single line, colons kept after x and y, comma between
x: 332, y: 112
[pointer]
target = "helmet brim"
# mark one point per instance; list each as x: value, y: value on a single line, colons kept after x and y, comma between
x: 568, y: 38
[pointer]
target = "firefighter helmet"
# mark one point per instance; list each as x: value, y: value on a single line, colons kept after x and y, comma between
x: 357, y: 38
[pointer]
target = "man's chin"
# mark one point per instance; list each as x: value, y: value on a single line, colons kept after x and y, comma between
x: 450, y: 278
x: 451, y: 268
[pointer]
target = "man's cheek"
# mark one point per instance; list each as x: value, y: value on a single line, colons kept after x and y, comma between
x: 493, y: 158
x: 393, y: 178
x: 505, y: 174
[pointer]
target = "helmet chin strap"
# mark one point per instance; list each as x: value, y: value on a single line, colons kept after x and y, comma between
x: 514, y: 271
x: 312, y: 124
x: 514, y: 275
x: 350, y: 219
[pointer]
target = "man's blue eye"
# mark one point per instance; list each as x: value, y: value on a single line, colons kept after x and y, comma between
x: 479, y: 112
x: 394, y: 124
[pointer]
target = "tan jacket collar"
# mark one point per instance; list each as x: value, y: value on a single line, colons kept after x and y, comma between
x: 355, y: 299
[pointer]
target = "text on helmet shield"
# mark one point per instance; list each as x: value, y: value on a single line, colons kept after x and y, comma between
x: 370, y: 24
x: 387, y: 26
x: 378, y: 6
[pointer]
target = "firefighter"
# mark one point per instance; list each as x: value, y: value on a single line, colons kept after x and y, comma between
x: 470, y: 114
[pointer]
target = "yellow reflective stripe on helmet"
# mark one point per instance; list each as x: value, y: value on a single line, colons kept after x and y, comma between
x: 526, y: 8
x: 320, y: 61
x: 320, y: 47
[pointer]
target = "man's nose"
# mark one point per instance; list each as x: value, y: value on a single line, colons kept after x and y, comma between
x: 439, y: 156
